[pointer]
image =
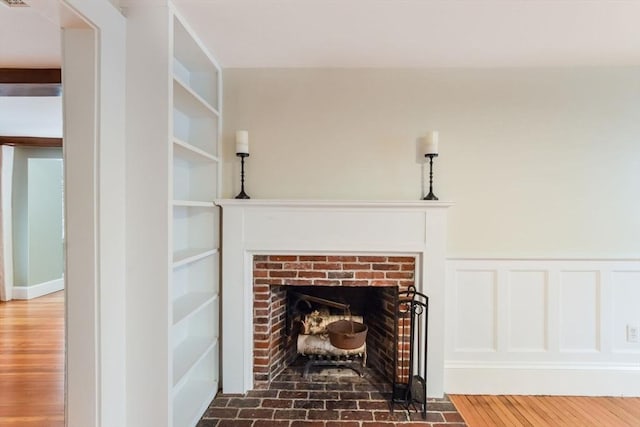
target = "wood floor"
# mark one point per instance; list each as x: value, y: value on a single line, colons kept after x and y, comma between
x: 32, y: 362
x: 513, y: 411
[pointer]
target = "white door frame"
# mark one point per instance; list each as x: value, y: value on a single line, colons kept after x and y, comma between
x: 94, y: 146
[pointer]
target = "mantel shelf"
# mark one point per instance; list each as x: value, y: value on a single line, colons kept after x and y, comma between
x: 352, y: 204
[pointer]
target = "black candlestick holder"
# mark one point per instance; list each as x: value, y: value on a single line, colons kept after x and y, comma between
x: 430, y: 196
x: 242, y: 194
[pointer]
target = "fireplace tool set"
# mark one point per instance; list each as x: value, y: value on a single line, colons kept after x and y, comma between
x: 410, y: 383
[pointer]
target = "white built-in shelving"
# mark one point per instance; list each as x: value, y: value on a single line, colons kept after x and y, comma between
x: 195, y: 171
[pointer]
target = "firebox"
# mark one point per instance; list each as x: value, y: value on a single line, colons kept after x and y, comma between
x: 290, y: 291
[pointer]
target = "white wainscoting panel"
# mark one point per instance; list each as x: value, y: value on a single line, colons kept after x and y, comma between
x: 518, y: 326
x: 527, y: 308
x: 476, y: 298
x: 579, y: 303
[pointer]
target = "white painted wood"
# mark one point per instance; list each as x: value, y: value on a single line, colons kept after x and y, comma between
x: 527, y: 307
x: 174, y: 174
x: 95, y: 206
x: 6, y: 181
x: 38, y: 290
x: 326, y: 227
x: 564, y: 326
x: 476, y: 299
x: 579, y: 302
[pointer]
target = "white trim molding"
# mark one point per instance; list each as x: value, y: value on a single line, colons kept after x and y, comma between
x: 252, y: 227
x: 542, y: 326
x: 38, y: 290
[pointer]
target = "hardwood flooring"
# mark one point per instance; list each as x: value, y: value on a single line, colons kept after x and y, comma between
x: 514, y: 411
x: 32, y: 362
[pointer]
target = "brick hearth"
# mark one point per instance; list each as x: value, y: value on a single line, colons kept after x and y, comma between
x: 341, y: 399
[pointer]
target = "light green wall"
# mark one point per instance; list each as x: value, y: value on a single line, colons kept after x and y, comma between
x: 539, y: 162
x: 37, y: 216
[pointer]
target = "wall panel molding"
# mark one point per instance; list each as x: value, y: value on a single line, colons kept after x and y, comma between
x: 558, y: 319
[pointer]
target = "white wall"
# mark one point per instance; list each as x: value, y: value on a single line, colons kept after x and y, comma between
x: 544, y: 260
x: 539, y: 162
x: 31, y: 116
x: 37, y: 217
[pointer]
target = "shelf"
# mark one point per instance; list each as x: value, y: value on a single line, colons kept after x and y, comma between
x: 188, y: 256
x: 189, y: 102
x: 189, y: 304
x: 192, y: 153
x: 193, y: 204
x: 191, y: 401
x: 188, y: 354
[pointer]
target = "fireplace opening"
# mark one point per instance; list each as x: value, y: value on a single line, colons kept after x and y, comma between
x: 295, y: 297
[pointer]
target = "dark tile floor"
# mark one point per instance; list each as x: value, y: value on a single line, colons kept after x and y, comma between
x: 330, y: 397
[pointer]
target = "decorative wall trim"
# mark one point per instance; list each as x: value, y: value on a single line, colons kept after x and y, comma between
x: 35, y: 291
x: 542, y: 326
x: 264, y: 227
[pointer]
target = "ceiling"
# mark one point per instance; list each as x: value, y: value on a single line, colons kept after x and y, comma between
x: 377, y: 33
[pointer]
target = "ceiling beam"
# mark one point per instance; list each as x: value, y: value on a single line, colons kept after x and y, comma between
x: 31, y: 141
x: 30, y: 82
x: 30, y: 76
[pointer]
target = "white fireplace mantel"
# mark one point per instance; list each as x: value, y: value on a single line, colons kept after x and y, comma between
x: 256, y: 227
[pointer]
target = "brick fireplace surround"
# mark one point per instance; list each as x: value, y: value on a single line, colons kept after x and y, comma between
x: 255, y: 229
x: 273, y: 275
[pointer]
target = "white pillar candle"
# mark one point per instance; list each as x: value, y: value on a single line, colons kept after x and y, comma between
x: 430, y: 143
x: 242, y: 141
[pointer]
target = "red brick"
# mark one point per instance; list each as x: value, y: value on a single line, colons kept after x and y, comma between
x: 285, y: 273
x: 401, y: 259
x: 277, y: 403
x: 260, y: 273
x: 268, y: 281
x: 342, y: 424
x: 298, y: 423
x: 222, y: 412
x: 270, y: 423
x: 341, y: 258
x: 358, y: 266
x: 283, y: 258
x: 354, y: 282
x: 255, y: 413
x: 290, y: 414
x: 260, y: 344
x: 384, y: 283
x: 297, y: 265
x: 260, y: 257
x: 398, y: 275
x: 385, y: 266
x: 407, y: 267
x: 299, y: 282
x: 369, y: 274
x: 314, y: 258
x: 372, y: 258
x: 327, y: 266
x: 356, y: 415
x: 320, y: 414
x: 235, y: 423
x: 313, y: 274
x: 340, y: 275
x: 321, y: 282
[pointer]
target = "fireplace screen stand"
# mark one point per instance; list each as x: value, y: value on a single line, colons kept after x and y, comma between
x: 410, y: 379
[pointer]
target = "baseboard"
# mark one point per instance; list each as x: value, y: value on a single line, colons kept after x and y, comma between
x: 542, y: 379
x: 35, y: 291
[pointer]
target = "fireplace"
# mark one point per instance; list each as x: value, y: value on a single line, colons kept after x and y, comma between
x: 253, y: 231
x: 367, y: 284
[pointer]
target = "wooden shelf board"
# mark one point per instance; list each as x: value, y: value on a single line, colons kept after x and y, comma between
x: 188, y: 256
x: 189, y: 304
x: 191, y: 351
x: 192, y: 153
x: 190, y: 102
x: 193, y: 204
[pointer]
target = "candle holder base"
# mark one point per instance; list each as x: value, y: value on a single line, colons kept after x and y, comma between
x: 430, y: 196
x: 242, y: 194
